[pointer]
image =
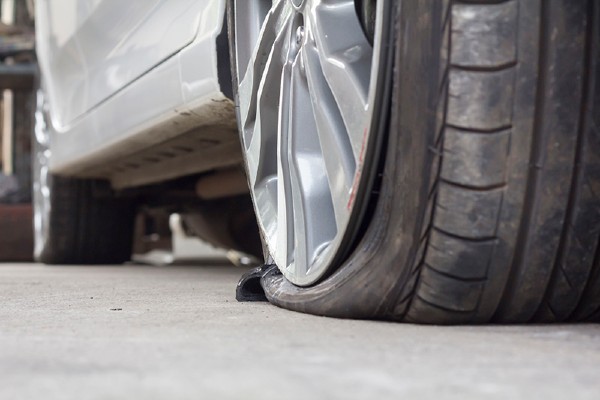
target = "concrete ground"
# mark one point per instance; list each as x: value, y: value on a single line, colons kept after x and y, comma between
x: 147, y: 332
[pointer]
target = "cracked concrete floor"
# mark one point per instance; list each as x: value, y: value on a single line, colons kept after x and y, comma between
x: 146, y: 332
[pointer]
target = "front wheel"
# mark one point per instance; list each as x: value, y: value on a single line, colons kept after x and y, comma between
x: 466, y: 195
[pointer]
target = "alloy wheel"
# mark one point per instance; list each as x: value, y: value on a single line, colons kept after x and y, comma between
x: 306, y: 74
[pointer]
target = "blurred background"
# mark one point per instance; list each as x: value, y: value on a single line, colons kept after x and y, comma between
x: 160, y: 237
x: 17, y: 103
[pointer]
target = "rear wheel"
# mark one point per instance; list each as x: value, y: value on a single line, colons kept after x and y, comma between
x: 487, y: 206
x: 76, y: 221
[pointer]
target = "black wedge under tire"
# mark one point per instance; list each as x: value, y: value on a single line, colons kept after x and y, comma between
x: 488, y: 207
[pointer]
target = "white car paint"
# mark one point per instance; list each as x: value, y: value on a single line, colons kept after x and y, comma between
x: 119, y: 73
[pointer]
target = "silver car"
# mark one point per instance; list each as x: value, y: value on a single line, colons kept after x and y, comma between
x: 431, y: 161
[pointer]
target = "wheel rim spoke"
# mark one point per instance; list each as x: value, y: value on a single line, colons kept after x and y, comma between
x: 263, y: 130
x: 283, y: 253
x: 345, y: 57
x: 259, y: 114
x: 311, y: 193
x: 339, y: 163
x: 270, y: 38
x: 254, y: 13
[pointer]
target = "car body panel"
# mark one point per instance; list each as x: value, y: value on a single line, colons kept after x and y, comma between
x: 163, y: 94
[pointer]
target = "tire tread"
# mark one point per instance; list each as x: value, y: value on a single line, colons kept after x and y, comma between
x: 87, y: 224
x: 553, y: 254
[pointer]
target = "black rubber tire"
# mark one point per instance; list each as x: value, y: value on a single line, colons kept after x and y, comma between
x: 87, y: 224
x: 77, y: 221
x: 488, y: 208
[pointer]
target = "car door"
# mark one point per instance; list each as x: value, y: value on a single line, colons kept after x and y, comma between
x: 97, y: 47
